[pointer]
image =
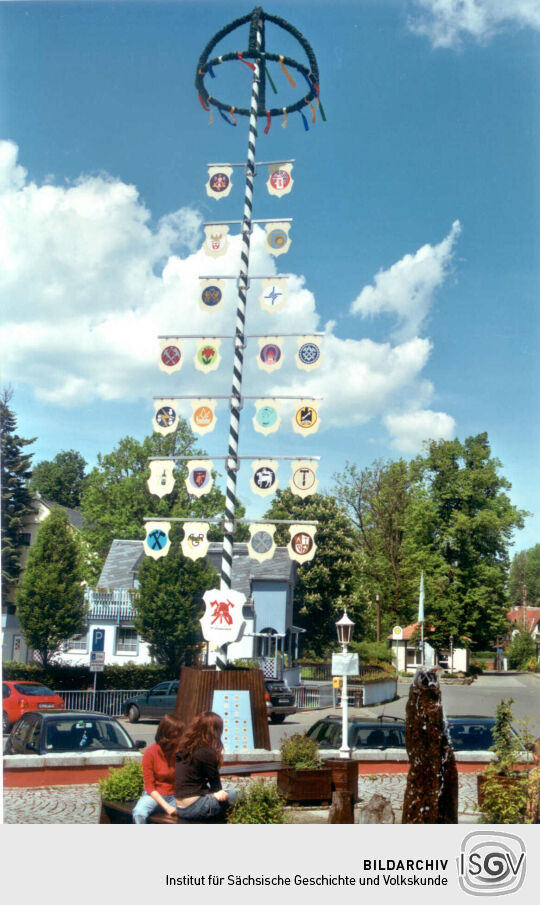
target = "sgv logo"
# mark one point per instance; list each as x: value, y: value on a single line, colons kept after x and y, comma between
x: 491, y: 864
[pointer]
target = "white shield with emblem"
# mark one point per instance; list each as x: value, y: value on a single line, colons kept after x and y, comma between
x: 279, y: 181
x: 308, y: 356
x: 273, y: 294
x: 157, y: 542
x: 223, y: 620
x: 267, y: 417
x: 211, y: 294
x: 171, y: 356
x: 165, y: 419
x: 278, y: 240
x: 161, y: 480
x: 270, y: 357
x: 199, y: 480
x: 216, y: 242
x: 195, y: 542
x: 302, y: 544
x: 207, y: 356
x: 203, y: 418
x: 306, y: 417
x: 303, y: 478
x: 219, y: 182
x: 264, y: 478
x: 261, y: 544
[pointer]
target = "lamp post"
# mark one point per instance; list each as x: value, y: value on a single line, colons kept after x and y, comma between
x: 344, y: 632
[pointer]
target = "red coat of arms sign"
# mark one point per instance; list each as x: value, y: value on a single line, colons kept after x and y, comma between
x: 223, y: 620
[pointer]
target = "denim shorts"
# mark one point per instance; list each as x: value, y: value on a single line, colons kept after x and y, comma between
x: 206, y: 807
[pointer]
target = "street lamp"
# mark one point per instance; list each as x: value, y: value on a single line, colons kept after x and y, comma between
x: 344, y: 632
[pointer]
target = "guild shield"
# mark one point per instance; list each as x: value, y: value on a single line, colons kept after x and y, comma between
x: 278, y: 240
x: 302, y: 544
x: 157, y: 542
x: 223, y: 620
x: 161, y: 480
x: 195, y: 542
x: 199, y: 480
x: 219, y: 182
x: 273, y: 294
x: 216, y: 242
x: 165, y: 419
x: 261, y: 544
x: 203, y: 418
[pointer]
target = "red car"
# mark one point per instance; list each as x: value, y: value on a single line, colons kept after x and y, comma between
x: 18, y: 697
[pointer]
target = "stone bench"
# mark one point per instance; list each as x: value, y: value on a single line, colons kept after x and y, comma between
x: 121, y: 812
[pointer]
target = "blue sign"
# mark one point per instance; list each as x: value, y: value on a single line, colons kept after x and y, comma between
x: 98, y: 640
x: 234, y: 708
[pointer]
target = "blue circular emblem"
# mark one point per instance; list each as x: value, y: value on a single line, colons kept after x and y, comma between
x: 277, y: 238
x: 157, y: 539
x: 309, y: 353
x: 165, y: 416
x: 267, y: 416
x: 211, y: 296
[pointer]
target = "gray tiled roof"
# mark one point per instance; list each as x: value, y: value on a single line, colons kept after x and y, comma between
x: 125, y: 556
x: 74, y: 516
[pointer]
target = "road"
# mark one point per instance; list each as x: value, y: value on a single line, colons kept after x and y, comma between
x: 478, y: 699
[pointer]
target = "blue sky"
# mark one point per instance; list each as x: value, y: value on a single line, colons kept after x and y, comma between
x: 415, y: 229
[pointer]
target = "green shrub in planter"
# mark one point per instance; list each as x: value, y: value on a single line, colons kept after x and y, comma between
x: 125, y: 784
x: 259, y: 802
x: 300, y: 751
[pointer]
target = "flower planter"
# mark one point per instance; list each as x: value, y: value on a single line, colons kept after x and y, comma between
x: 310, y: 784
x: 344, y: 776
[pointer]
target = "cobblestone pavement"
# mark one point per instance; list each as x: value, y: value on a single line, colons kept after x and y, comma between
x: 60, y: 804
x: 81, y: 804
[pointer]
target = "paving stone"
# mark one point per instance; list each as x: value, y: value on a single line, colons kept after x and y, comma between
x: 58, y: 804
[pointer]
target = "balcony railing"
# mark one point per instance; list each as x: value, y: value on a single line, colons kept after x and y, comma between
x: 114, y: 606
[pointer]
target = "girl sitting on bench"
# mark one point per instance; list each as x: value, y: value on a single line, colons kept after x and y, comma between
x: 158, y: 765
x: 197, y: 784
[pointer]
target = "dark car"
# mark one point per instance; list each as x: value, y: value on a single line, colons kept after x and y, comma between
x: 474, y: 733
x: 153, y: 704
x: 383, y: 733
x: 68, y: 731
x: 280, y: 700
x: 467, y: 733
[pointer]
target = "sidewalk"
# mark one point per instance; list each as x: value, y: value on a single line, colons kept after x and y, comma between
x: 81, y: 804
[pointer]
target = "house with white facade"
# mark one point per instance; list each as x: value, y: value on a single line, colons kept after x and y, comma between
x: 409, y: 656
x: 525, y: 619
x: 269, y: 634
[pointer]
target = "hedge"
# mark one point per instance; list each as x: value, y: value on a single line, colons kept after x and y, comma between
x: 71, y: 678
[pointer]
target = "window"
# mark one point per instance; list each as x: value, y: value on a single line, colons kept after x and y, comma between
x: 126, y: 641
x: 78, y: 642
x: 6, y: 691
x: 414, y: 656
x: 32, y: 741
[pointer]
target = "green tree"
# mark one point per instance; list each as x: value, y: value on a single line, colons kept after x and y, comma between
x: 169, y: 605
x: 50, y: 600
x: 61, y: 479
x: 16, y: 497
x: 327, y: 584
x: 472, y: 521
x: 525, y: 576
x: 521, y: 651
x: 116, y: 499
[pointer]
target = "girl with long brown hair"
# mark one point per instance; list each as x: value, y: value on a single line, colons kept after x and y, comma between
x: 197, y: 784
x: 158, y: 765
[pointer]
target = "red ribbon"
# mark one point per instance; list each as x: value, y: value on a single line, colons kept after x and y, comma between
x: 268, y: 122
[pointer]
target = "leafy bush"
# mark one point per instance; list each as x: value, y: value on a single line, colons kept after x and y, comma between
x: 124, y: 784
x: 372, y: 652
x: 505, y: 797
x: 522, y: 649
x: 300, y: 751
x: 475, y: 669
x: 506, y: 746
x: 259, y: 802
x: 246, y: 663
x: 75, y: 678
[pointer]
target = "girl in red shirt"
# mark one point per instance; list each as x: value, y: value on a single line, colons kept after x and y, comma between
x: 158, y: 765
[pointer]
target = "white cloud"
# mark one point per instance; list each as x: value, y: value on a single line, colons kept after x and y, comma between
x: 447, y: 22
x: 411, y: 429
x: 87, y: 283
x: 407, y: 288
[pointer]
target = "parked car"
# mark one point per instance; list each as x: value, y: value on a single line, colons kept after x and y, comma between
x: 467, y: 733
x: 388, y: 732
x: 70, y: 731
x: 279, y: 700
x: 474, y: 733
x: 18, y: 697
x: 153, y: 704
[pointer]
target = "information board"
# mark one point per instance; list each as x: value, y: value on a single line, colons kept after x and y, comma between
x: 234, y: 708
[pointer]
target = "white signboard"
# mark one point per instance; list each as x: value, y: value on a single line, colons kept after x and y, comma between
x: 344, y: 664
x: 397, y: 633
x: 223, y: 620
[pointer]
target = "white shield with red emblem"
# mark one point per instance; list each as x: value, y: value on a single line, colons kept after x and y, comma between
x: 223, y: 620
x: 195, y: 542
x: 216, y: 242
x: 161, y: 480
x: 219, y: 182
x: 279, y: 181
x: 302, y: 544
x: 207, y: 356
x: 199, y: 480
x: 171, y: 355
